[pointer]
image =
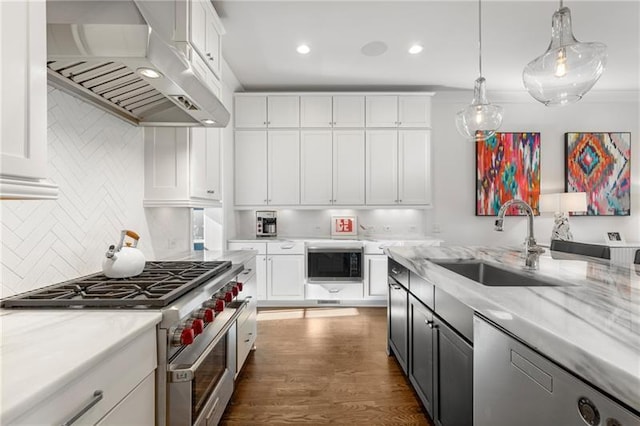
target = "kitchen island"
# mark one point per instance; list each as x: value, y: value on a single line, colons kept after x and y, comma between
x: 588, y: 322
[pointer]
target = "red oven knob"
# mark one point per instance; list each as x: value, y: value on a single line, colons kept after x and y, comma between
x: 239, y: 286
x: 234, y: 290
x: 206, y: 314
x: 228, y: 297
x: 183, y: 336
x: 196, y: 324
x: 219, y: 306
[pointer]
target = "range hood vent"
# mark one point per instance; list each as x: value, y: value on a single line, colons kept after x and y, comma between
x: 101, y: 63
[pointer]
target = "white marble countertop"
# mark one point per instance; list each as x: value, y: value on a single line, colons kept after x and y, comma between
x: 41, y: 351
x: 320, y: 238
x: 235, y: 256
x: 591, y: 327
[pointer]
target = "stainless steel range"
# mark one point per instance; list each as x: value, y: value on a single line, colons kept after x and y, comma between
x: 199, y: 302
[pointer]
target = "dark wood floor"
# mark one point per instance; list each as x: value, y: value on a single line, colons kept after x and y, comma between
x: 323, y: 366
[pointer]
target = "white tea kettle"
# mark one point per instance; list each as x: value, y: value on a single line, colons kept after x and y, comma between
x: 125, y: 260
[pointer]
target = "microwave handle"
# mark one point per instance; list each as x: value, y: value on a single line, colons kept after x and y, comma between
x: 186, y: 373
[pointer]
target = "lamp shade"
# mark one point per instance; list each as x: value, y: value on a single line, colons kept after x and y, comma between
x: 563, y: 202
x: 568, y: 69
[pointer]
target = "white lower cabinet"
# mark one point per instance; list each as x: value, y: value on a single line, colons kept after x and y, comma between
x: 137, y: 408
x: 122, y: 387
x: 285, y: 277
x: 375, y: 277
x: 333, y: 291
x: 261, y: 276
x: 247, y: 322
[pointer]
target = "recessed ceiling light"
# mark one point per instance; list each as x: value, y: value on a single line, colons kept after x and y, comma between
x: 374, y: 48
x: 415, y: 49
x: 149, y: 72
x: 303, y: 49
x: 208, y: 121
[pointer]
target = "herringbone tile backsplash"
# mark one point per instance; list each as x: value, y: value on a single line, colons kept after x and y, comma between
x: 97, y: 161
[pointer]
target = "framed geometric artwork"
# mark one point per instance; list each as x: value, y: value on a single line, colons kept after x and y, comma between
x: 507, y: 167
x: 599, y: 164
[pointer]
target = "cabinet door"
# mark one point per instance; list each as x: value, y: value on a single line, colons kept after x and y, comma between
x: 23, y: 83
x: 382, y: 167
x: 213, y: 186
x: 212, y: 42
x: 198, y: 24
x: 414, y: 167
x: 316, y: 167
x: 285, y: 277
x: 375, y: 277
x: 283, y: 111
x: 251, y: 168
x: 166, y: 163
x: 261, y: 276
x: 137, y: 408
x: 414, y: 111
x: 421, y: 348
x: 348, y: 111
x: 315, y: 111
x: 398, y: 323
x: 251, y: 112
x: 198, y: 161
x: 382, y: 111
x: 348, y: 167
x: 284, y: 167
x: 454, y: 386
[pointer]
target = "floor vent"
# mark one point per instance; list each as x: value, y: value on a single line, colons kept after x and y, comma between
x: 328, y: 302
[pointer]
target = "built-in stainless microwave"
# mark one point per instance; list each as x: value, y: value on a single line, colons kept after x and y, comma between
x: 327, y: 262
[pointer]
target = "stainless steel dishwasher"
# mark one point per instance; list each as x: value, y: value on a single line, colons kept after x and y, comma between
x: 515, y: 385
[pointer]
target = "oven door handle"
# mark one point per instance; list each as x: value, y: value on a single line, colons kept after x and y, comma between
x: 185, y: 372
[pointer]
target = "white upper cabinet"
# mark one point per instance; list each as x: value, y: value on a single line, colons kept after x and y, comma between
x: 283, y: 168
x: 348, y: 111
x: 205, y: 32
x: 251, y: 168
x: 267, y: 167
x: 398, y: 111
x: 348, y: 167
x: 23, y: 104
x: 283, y: 111
x: 181, y: 167
x: 382, y: 167
x: 251, y: 112
x: 316, y: 111
x: 414, y: 167
x: 260, y: 112
x: 332, y: 167
x: 316, y: 158
x: 331, y: 111
x: 398, y: 167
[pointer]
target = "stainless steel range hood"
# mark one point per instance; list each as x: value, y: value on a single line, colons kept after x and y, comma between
x: 99, y: 51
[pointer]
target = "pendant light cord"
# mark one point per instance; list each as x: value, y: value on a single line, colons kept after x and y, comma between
x: 480, y: 36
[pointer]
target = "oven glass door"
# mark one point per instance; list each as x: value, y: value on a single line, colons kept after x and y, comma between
x: 207, y: 376
x: 334, y: 265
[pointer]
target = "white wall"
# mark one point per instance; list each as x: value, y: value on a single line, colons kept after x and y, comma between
x: 97, y: 160
x: 454, y: 164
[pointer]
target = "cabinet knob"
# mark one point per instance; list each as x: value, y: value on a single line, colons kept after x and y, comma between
x: 265, y: 201
x: 264, y: 122
x: 399, y: 201
x: 429, y: 323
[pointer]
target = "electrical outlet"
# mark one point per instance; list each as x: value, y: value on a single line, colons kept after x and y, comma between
x: 413, y: 229
x: 318, y: 229
x: 436, y: 228
x: 371, y: 228
x: 387, y: 228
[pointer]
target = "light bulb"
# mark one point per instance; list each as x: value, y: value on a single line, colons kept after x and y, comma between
x: 561, y: 64
x: 479, y: 115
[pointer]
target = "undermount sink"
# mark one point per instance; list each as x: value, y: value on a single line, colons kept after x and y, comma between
x: 490, y: 275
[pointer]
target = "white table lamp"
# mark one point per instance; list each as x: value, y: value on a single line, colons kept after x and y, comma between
x: 561, y: 203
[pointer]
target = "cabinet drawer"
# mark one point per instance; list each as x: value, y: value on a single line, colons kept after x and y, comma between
x: 422, y: 289
x: 260, y: 247
x: 334, y: 291
x: 247, y: 331
x: 116, y: 376
x: 286, y: 247
x: 138, y: 408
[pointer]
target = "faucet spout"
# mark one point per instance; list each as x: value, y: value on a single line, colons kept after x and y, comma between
x: 531, y: 247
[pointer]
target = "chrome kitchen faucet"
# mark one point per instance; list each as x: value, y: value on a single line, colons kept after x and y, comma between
x: 531, y: 249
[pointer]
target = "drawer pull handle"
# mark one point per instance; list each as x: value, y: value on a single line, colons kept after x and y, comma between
x: 396, y: 287
x: 395, y: 271
x: 247, y: 341
x: 97, y: 396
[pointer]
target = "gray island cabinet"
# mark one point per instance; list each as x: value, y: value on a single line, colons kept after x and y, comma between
x: 564, y: 352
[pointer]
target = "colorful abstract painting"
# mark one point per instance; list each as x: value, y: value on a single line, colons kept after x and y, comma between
x: 507, y: 167
x: 599, y: 164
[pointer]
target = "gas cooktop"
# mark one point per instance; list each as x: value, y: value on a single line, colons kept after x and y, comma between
x: 157, y: 286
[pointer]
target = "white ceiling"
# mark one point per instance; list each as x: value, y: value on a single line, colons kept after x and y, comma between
x: 262, y: 36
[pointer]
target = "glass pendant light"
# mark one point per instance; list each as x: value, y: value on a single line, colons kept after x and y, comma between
x: 568, y: 69
x: 481, y: 119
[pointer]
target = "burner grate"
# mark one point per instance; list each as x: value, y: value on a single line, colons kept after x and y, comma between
x: 158, y: 285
